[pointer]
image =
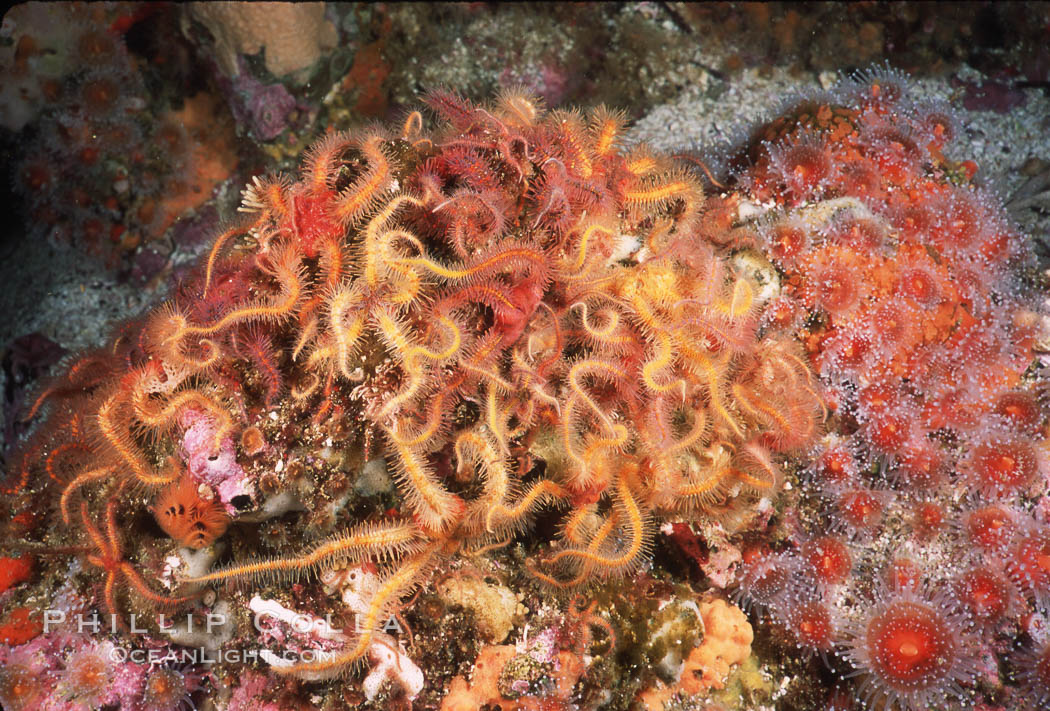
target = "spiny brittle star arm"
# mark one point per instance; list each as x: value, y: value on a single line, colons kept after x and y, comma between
x: 585, y: 366
x: 409, y: 573
x: 291, y: 289
x: 629, y: 553
x: 367, y: 539
x: 661, y: 359
x: 120, y: 440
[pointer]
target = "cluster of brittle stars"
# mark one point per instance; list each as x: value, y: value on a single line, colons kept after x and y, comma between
x: 552, y: 320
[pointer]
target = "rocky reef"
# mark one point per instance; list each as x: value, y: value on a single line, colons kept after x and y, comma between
x: 490, y: 407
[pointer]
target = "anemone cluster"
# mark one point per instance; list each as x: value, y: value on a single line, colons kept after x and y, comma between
x: 104, y: 168
x: 65, y: 672
x: 917, y: 303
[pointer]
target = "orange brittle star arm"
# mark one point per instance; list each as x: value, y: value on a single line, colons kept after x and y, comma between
x: 120, y: 440
x: 630, y: 553
x: 661, y: 359
x: 436, y: 507
x: 368, y: 539
x: 286, y: 269
x: 590, y: 365
x: 77, y: 482
x: 409, y: 573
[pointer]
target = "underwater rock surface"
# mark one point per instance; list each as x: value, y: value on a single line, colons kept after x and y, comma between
x: 493, y: 406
